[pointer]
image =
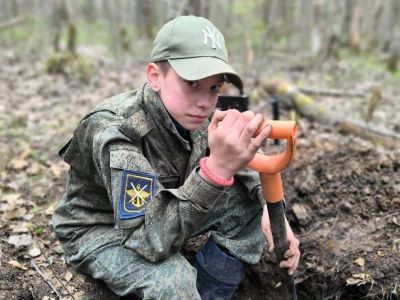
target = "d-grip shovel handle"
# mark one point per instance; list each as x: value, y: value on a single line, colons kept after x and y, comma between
x: 269, y: 166
x: 281, y: 130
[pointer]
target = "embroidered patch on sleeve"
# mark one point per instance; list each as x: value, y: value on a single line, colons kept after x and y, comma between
x: 137, y: 190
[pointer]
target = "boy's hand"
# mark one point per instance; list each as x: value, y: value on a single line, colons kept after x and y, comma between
x: 292, y: 255
x: 232, y: 142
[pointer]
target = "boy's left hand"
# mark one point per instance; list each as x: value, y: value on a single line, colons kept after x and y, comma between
x: 292, y: 255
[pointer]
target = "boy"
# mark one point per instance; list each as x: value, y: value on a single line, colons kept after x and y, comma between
x: 146, y: 175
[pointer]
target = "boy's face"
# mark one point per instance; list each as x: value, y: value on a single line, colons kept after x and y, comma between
x: 190, y: 103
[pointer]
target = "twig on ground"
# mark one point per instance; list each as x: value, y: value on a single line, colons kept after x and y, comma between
x: 44, y: 278
x: 52, y: 270
x: 333, y: 226
x: 318, y: 224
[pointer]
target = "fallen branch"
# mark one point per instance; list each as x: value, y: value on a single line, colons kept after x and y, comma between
x: 338, y: 93
x: 44, y: 278
x: 13, y: 22
x: 331, y: 93
x: 305, y: 106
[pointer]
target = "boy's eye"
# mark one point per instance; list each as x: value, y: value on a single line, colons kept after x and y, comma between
x: 216, y: 88
x: 192, y: 84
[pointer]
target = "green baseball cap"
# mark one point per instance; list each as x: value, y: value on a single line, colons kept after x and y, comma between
x: 194, y: 48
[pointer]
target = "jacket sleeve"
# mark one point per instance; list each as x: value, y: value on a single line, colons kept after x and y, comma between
x: 251, y: 180
x: 170, y: 216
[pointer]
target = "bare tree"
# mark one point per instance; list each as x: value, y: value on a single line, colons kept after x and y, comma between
x: 112, y: 16
x: 301, y: 36
x: 145, y: 19
x: 60, y: 17
x: 354, y: 28
x: 385, y: 25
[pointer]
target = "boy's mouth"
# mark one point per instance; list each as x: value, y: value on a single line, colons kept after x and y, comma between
x: 198, y: 117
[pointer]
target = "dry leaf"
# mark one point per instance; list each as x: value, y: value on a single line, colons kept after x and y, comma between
x: 34, y: 168
x: 359, y: 279
x: 21, y: 227
x: 301, y: 213
x: 39, y: 192
x: 17, y: 265
x: 381, y: 253
x: 58, y: 168
x: 68, y: 276
x: 20, y: 240
x: 395, y: 221
x: 18, y: 164
x: 79, y: 295
x: 25, y: 153
x: 50, y: 210
x: 28, y: 217
x: 13, y: 214
x: 34, y: 251
x: 12, y: 198
x: 360, y: 261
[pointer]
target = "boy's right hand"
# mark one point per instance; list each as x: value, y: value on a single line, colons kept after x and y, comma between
x: 232, y: 142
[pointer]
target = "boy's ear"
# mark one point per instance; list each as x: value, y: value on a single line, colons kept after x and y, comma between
x: 153, y: 75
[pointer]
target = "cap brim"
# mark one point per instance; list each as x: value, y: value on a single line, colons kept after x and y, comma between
x: 197, y: 68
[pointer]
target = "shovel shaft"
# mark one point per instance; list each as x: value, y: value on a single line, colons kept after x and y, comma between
x: 276, y: 212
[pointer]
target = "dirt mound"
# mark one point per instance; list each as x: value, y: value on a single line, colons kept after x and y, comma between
x: 344, y: 202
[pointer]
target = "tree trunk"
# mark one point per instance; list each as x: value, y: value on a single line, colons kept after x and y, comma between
x: 346, y: 8
x: 385, y: 25
x: 145, y: 17
x: 193, y: 7
x: 394, y: 54
x: 112, y: 17
x: 60, y: 17
x: 71, y: 46
x: 354, y: 30
x: 301, y: 39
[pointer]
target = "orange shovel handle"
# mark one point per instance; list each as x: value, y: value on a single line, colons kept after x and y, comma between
x: 275, y: 163
x: 269, y: 166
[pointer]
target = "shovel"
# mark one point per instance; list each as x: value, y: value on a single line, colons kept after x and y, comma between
x: 269, y: 167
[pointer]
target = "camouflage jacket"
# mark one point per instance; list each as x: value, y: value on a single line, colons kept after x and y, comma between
x: 133, y: 178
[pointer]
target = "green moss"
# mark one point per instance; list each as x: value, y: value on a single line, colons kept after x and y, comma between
x: 39, y: 230
x: 71, y: 65
x: 303, y: 100
x: 18, y: 122
x: 396, y: 74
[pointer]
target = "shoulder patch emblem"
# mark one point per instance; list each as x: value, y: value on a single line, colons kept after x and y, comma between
x: 137, y: 190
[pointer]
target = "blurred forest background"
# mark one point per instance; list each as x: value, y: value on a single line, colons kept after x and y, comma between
x: 332, y: 65
x: 309, y: 31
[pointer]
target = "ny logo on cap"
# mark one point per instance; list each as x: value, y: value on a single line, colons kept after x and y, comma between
x: 213, y: 35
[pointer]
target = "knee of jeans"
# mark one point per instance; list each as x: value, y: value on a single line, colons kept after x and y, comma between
x: 178, y: 281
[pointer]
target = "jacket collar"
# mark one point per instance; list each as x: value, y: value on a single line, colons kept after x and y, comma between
x: 148, y: 109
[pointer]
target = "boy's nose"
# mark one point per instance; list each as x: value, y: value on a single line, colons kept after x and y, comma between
x: 206, y: 100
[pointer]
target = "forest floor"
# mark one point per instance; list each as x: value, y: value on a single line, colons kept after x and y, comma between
x: 343, y: 192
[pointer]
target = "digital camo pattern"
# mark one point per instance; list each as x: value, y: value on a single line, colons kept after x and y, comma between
x: 132, y: 132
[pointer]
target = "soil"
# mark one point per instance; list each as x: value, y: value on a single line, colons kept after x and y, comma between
x: 342, y: 192
x: 343, y: 199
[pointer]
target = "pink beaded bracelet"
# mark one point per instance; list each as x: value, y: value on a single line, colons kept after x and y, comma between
x: 213, y: 178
